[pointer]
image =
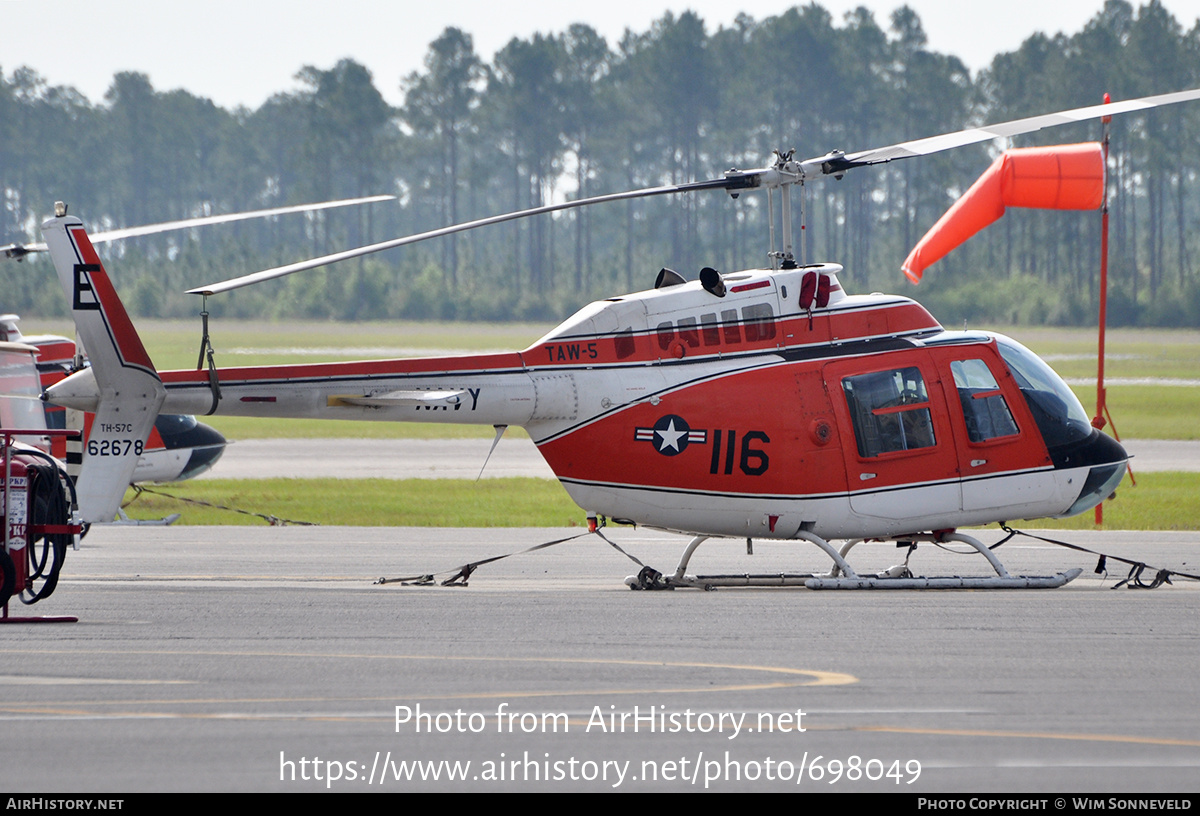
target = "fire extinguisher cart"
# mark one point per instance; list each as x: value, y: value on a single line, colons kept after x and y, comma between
x: 39, y: 508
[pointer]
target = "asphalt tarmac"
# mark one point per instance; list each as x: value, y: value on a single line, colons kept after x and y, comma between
x: 265, y: 659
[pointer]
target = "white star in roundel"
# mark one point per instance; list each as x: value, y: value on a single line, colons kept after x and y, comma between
x: 670, y: 437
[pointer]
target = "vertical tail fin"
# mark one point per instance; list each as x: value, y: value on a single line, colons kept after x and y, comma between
x: 129, y: 389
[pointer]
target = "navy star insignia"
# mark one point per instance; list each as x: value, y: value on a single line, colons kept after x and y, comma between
x: 671, y: 435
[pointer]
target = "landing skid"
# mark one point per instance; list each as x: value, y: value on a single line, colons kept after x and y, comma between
x: 843, y: 576
x: 123, y: 520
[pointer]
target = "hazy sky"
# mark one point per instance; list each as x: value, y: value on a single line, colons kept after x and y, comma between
x: 239, y: 52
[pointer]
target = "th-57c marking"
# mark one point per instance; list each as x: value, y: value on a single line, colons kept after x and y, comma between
x: 114, y: 447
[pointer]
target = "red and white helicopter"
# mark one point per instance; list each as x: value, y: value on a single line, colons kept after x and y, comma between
x: 765, y: 403
x: 179, y: 447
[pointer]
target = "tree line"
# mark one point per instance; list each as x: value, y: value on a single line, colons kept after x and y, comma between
x: 568, y: 115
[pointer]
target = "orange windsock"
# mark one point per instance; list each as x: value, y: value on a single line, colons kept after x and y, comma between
x: 1060, y: 177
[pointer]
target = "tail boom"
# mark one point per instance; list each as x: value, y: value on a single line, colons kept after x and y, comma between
x: 472, y: 389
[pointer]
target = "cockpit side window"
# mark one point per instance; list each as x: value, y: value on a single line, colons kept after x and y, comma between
x: 984, y: 408
x: 1056, y: 410
x: 890, y: 411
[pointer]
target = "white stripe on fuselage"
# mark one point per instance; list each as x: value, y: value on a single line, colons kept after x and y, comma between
x: 829, y: 515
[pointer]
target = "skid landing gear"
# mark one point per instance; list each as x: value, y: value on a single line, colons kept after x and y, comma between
x: 843, y: 576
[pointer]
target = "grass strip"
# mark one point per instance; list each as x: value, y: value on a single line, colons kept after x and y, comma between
x: 515, y: 502
x: 1160, y: 501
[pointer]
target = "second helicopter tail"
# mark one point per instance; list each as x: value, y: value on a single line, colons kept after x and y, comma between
x: 122, y: 387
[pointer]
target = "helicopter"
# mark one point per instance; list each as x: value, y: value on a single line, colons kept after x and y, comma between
x: 179, y: 447
x: 765, y: 403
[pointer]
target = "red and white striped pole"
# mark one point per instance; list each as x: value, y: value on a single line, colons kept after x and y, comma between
x: 1103, y: 417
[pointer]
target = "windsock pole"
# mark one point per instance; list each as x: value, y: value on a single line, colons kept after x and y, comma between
x: 1103, y: 417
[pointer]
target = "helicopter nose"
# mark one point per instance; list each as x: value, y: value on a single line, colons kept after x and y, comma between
x: 1107, y: 461
x: 203, y: 458
x: 207, y: 445
x: 182, y: 431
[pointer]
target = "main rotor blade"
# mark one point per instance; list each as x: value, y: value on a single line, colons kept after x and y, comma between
x: 205, y: 220
x: 21, y: 250
x: 281, y: 271
x: 948, y: 141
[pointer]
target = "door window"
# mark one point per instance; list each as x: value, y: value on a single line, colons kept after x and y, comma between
x: 890, y: 411
x: 984, y: 408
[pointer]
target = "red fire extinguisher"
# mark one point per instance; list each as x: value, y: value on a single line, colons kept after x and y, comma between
x: 37, y: 505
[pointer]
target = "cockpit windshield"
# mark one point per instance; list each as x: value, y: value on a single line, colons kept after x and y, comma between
x: 1058, y: 413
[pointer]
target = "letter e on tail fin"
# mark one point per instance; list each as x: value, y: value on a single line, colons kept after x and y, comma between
x: 130, y: 391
